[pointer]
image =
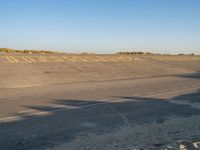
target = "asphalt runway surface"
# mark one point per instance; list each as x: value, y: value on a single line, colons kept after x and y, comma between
x: 54, y: 117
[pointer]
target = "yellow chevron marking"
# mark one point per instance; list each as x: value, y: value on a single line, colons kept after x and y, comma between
x: 56, y: 59
x: 65, y: 58
x: 31, y: 59
x: 60, y: 59
x: 72, y: 59
x: 26, y: 59
x: 43, y: 59
x: 12, y: 59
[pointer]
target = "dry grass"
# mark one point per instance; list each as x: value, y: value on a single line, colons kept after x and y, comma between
x: 11, y: 51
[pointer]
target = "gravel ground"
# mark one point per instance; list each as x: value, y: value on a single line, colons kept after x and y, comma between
x: 146, y: 137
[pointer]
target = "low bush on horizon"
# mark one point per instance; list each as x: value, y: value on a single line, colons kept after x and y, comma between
x: 135, y: 53
x: 149, y: 53
x: 10, y: 50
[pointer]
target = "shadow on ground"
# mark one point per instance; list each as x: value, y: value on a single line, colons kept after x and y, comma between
x: 80, y: 118
x: 191, y: 75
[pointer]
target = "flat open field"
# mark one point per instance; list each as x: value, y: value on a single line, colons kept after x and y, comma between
x: 25, y: 70
x: 100, y: 102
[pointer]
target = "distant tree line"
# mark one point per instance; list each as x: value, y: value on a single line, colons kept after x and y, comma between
x: 192, y: 54
x: 135, y: 53
x: 9, y: 50
x: 147, y: 53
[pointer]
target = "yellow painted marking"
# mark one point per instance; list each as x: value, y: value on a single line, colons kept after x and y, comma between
x: 97, y: 58
x: 60, y: 59
x: 89, y: 58
x: 83, y: 59
x: 106, y: 58
x: 9, y: 59
x: 65, y: 58
x: 30, y: 59
x: 73, y: 59
x: 26, y: 59
x: 56, y: 59
x: 43, y: 59
x: 125, y: 59
x: 12, y: 59
x: 15, y: 59
x: 121, y: 58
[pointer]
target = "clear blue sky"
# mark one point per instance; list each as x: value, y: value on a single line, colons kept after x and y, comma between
x: 169, y: 26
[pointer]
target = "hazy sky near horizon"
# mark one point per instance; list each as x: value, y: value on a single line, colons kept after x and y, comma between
x: 103, y: 26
